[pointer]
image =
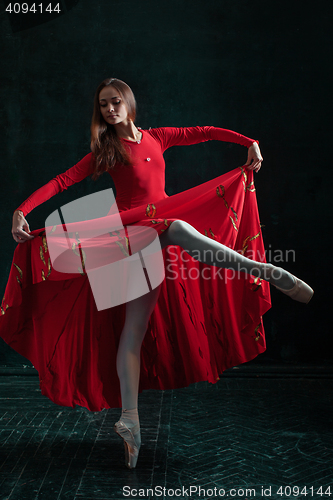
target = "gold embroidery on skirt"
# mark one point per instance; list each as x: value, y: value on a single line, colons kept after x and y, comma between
x: 44, y: 243
x: 80, y: 254
x: 246, y: 241
x: 20, y: 273
x: 256, y: 284
x: 167, y: 224
x: 235, y: 215
x: 245, y: 178
x: 19, y: 270
x: 251, y: 187
x: 49, y: 270
x: 244, y: 173
x: 212, y: 234
x: 77, y: 237
x: 49, y: 267
x: 151, y: 210
x: 4, y: 307
x: 114, y: 233
x: 41, y: 255
x: 245, y: 246
x: 44, y: 246
x: 77, y: 252
x: 255, y: 236
x: 257, y: 335
x: 82, y: 257
x: 3, y: 310
x: 122, y: 248
x: 220, y: 191
x: 233, y: 223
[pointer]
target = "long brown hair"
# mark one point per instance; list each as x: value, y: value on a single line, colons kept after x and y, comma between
x: 105, y: 145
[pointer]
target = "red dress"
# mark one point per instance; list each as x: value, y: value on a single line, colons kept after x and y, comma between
x: 199, y: 327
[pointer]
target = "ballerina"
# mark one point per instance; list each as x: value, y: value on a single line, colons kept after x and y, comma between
x: 117, y: 141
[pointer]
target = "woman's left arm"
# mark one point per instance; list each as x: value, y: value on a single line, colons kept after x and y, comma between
x: 171, y: 136
x: 254, y: 157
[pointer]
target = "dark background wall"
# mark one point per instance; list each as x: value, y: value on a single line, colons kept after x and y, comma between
x: 260, y: 68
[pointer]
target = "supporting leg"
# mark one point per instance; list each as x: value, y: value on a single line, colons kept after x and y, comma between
x: 138, y: 312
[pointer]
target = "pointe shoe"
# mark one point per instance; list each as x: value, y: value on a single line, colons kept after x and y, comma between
x: 130, y: 444
x: 300, y: 291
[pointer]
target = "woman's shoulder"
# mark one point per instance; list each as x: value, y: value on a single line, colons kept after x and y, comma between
x: 172, y: 136
x: 159, y: 133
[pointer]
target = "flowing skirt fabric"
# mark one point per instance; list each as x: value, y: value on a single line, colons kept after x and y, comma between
x: 206, y: 319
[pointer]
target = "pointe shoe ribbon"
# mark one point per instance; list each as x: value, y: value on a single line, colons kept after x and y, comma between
x: 300, y: 291
x: 130, y: 444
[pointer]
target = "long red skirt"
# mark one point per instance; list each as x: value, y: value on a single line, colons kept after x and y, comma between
x: 207, y: 319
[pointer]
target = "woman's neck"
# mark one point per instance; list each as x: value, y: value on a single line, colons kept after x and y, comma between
x: 127, y: 130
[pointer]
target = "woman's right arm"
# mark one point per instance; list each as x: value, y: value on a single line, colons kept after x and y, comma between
x: 20, y: 228
x: 80, y: 171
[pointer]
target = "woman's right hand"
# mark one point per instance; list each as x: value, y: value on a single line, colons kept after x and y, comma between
x: 20, y: 228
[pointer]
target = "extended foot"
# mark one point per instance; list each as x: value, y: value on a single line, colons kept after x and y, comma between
x: 280, y: 278
x: 288, y: 283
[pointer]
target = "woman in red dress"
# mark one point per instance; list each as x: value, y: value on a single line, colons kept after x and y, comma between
x: 181, y: 331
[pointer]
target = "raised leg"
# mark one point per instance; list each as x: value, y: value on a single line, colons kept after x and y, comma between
x: 214, y: 253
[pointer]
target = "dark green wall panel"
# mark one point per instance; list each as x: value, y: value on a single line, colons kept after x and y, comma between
x: 260, y: 68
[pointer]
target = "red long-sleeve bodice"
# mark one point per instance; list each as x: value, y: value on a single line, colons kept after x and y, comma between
x: 144, y: 181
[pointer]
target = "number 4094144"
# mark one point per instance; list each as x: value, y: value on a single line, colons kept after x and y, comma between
x: 24, y: 8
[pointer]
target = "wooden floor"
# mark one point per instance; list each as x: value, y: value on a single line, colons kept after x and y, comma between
x: 235, y: 438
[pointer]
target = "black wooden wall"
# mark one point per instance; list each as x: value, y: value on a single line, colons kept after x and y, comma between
x: 260, y: 68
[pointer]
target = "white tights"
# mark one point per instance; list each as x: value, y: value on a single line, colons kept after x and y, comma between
x: 138, y: 311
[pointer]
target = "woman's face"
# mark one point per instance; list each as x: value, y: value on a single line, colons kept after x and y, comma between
x: 112, y: 106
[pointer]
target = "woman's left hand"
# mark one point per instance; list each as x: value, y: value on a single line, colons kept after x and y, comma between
x: 254, y: 157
